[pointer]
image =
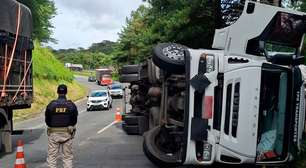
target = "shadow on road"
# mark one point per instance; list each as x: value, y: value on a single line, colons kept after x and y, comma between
x: 27, y: 137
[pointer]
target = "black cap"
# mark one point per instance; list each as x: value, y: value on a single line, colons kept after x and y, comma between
x: 62, y: 89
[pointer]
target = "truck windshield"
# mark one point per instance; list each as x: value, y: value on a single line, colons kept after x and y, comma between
x: 284, y: 33
x: 287, y: 29
x: 106, y: 76
x: 271, y: 128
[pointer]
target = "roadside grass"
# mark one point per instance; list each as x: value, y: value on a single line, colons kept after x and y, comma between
x: 44, y: 92
x: 85, y: 73
x: 46, y: 66
x: 48, y: 73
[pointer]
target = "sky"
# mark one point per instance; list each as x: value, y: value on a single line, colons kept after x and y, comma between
x: 79, y: 23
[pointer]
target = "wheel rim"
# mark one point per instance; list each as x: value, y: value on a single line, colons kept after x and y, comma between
x: 174, y: 52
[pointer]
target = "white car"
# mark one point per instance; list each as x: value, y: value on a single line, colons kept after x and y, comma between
x: 115, y: 90
x: 99, y: 99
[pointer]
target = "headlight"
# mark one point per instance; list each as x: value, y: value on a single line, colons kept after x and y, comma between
x: 210, y: 63
x: 207, y: 151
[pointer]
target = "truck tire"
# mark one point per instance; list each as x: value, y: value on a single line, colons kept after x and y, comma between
x: 129, y: 69
x: 127, y: 114
x: 151, y: 150
x: 143, y: 124
x: 128, y: 78
x: 170, y: 57
x: 131, y: 119
x: 130, y: 129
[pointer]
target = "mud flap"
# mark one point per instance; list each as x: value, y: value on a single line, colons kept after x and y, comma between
x: 198, y: 129
x: 7, y: 139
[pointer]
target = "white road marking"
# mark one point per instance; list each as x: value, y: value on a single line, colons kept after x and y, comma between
x: 82, y: 111
x: 106, y: 127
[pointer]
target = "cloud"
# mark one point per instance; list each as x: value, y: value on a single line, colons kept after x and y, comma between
x: 82, y: 22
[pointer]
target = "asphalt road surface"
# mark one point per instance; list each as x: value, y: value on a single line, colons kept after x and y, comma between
x: 96, y: 145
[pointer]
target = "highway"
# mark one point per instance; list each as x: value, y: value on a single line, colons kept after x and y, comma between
x: 97, y: 144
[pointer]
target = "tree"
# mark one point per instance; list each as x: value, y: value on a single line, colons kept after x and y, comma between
x: 42, y: 12
x: 191, y: 23
x: 105, y: 46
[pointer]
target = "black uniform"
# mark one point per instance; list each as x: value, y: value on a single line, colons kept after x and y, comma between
x: 61, y: 113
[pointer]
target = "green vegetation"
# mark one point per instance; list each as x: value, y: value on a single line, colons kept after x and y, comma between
x: 46, y: 66
x: 44, y: 92
x: 97, y: 55
x: 191, y: 23
x: 85, y: 73
x: 48, y: 74
x: 42, y: 13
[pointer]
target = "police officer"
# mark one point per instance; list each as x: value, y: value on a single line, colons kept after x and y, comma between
x: 61, y: 118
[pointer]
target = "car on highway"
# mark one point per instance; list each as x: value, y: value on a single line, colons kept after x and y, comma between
x: 91, y: 79
x: 116, y: 90
x: 99, y: 99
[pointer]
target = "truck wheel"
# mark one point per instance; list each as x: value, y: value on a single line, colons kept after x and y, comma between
x: 155, y: 155
x: 129, y: 69
x: 128, y: 78
x: 131, y: 119
x: 170, y: 57
x: 130, y: 129
x: 143, y: 124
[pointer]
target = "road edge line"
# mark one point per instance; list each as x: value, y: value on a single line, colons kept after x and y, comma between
x: 106, y: 127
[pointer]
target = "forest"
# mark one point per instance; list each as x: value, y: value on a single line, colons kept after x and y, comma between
x: 191, y: 23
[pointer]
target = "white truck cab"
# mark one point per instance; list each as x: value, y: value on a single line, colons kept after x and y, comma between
x: 252, y: 110
x: 241, y: 102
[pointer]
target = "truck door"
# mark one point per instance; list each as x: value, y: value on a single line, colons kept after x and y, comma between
x: 238, y: 132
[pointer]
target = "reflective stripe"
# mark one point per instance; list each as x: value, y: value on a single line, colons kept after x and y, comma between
x: 19, y: 149
x: 20, y: 161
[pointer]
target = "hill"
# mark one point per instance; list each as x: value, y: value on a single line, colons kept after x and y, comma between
x: 48, y: 73
x: 98, y: 54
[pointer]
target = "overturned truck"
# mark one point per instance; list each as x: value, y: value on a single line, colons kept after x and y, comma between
x: 15, y: 66
x: 240, y: 103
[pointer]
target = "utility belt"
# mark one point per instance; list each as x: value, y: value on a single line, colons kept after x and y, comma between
x: 71, y: 130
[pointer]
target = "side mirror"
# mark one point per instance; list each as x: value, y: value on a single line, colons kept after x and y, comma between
x: 262, y: 49
x: 286, y: 59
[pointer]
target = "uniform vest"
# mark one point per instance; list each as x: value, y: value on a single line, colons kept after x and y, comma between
x: 61, y: 113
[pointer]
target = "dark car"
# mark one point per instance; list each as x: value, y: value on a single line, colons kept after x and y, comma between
x: 91, y: 79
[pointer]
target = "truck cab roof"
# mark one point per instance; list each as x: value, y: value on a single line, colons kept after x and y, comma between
x: 258, y: 25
